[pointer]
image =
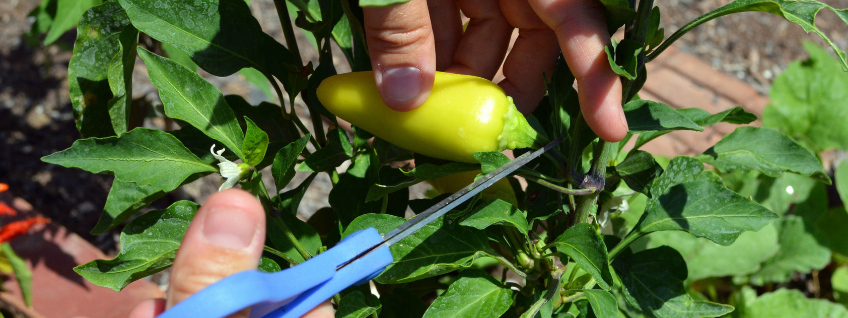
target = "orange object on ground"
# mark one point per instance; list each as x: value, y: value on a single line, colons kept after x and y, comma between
x: 4, y: 187
x: 18, y: 228
x: 7, y: 210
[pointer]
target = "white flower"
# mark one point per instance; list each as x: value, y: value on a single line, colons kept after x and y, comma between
x: 229, y: 170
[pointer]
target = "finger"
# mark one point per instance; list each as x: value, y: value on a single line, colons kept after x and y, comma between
x: 581, y: 29
x: 447, y: 30
x: 324, y: 310
x: 533, y: 54
x: 403, y: 55
x: 149, y: 308
x: 484, y: 44
x: 225, y: 237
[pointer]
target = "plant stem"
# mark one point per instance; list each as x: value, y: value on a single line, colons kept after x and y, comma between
x: 554, y: 187
x: 278, y: 254
x: 293, y: 116
x: 537, y: 175
x: 572, y: 297
x: 553, y: 288
x: 630, y: 238
x: 507, y: 264
x: 288, y: 30
x: 597, y: 176
x: 275, y: 215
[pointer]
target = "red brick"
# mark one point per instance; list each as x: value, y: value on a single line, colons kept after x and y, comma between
x: 57, y: 290
x: 756, y: 104
x: 661, y: 60
x: 679, y: 92
x: 719, y: 82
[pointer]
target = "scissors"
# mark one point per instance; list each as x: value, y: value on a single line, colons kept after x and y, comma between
x: 355, y: 260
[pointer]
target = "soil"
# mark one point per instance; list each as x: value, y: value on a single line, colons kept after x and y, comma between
x: 36, y: 117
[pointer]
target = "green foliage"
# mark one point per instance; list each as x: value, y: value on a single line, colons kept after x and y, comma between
x: 22, y: 273
x: 654, y: 238
x: 148, y: 246
x: 474, y: 294
x: 806, y: 101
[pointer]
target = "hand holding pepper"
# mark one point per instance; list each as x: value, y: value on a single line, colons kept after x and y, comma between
x: 409, y: 42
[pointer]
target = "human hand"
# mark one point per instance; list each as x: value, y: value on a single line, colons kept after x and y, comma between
x: 225, y: 237
x: 409, y: 42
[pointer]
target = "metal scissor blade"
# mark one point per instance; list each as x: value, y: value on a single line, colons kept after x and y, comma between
x: 439, y: 209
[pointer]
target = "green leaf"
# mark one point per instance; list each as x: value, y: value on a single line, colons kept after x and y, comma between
x: 98, y: 41
x: 289, y: 201
x: 839, y: 282
x: 255, y: 144
x: 68, y: 12
x: 221, y: 36
x: 653, y: 281
x: 778, y: 194
x: 120, y: 80
x: 623, y: 57
x: 337, y: 151
x: 22, y: 273
x: 638, y: 170
x: 268, y: 265
x: 841, y: 176
x: 284, y: 161
x: 199, y: 144
x: 655, y: 33
x: 304, y: 234
x: 736, y: 115
x: 490, y: 160
x: 584, y: 245
x: 707, y: 259
x: 806, y: 101
x: 125, y: 199
x: 269, y: 118
x: 800, y: 251
x: 144, y: 156
x: 148, y: 245
x: 255, y: 77
x: 355, y: 305
x: 790, y: 303
x: 687, y: 198
x: 474, y: 294
x: 189, y: 97
x: 618, y: 12
x: 496, y: 212
x: 645, y: 115
x: 44, y: 14
x: 603, y: 303
x: 766, y: 150
x: 832, y: 225
x: 178, y: 56
x: 380, y: 3
x: 802, y: 13
x: 435, y: 249
x: 348, y: 195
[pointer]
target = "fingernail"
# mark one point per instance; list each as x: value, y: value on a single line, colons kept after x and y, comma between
x: 229, y: 228
x: 623, y: 119
x: 401, y: 83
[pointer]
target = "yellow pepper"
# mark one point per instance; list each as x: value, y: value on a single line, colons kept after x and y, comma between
x: 463, y: 115
x: 455, y: 182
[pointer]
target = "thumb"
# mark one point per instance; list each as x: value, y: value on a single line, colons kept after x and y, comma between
x: 403, y: 52
x: 225, y: 237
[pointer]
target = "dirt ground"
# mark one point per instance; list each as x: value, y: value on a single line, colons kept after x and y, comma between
x: 36, y: 117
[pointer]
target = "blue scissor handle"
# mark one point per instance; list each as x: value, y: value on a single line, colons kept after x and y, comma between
x: 294, y: 291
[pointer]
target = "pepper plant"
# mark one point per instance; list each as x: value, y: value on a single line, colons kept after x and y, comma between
x: 566, y: 244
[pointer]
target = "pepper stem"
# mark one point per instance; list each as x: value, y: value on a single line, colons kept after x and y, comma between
x: 517, y: 132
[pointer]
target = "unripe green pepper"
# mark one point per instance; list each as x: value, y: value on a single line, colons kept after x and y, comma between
x: 463, y: 115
